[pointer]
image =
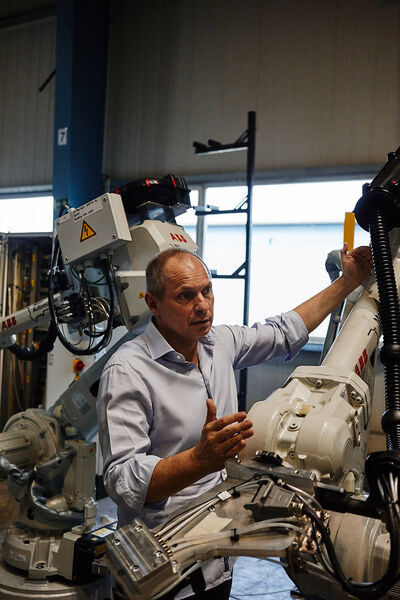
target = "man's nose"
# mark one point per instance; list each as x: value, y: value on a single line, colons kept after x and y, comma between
x: 201, y: 303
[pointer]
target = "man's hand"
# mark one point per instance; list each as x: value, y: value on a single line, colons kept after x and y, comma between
x: 356, y: 265
x: 221, y: 438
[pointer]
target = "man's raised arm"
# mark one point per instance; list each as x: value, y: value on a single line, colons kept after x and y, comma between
x: 356, y: 266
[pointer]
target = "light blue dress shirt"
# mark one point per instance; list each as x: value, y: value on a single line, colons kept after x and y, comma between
x: 152, y: 404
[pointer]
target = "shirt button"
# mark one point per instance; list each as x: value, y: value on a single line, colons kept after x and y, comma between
x: 178, y: 356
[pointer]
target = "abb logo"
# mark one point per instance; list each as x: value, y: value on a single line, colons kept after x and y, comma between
x: 10, y: 322
x: 362, y: 363
x: 177, y: 237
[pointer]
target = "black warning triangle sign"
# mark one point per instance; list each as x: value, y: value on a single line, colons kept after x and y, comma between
x: 86, y: 232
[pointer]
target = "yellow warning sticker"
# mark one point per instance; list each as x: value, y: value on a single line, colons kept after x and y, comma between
x: 86, y: 232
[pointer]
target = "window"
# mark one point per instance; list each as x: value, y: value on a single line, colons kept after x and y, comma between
x: 26, y: 215
x: 295, y: 226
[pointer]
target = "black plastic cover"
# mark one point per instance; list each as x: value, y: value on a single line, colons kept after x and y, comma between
x: 155, y: 198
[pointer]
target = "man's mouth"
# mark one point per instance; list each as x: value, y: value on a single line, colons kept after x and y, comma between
x: 202, y: 322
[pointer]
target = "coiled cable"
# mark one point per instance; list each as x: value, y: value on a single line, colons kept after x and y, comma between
x: 390, y: 317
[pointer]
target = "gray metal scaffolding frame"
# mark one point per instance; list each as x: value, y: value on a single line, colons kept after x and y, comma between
x: 245, y: 142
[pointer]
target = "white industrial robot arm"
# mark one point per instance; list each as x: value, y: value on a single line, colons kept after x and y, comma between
x: 29, y: 317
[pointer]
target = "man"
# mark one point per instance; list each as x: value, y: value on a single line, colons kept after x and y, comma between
x: 167, y: 399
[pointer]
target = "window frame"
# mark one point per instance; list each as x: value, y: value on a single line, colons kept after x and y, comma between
x: 309, y: 175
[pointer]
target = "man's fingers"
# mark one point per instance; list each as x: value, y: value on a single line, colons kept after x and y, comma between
x: 211, y: 411
x: 234, y: 439
x: 228, y: 420
x: 235, y: 443
x: 233, y: 430
x: 236, y: 448
x: 362, y: 252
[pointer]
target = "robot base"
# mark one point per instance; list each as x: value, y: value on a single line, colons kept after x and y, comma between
x: 15, y: 586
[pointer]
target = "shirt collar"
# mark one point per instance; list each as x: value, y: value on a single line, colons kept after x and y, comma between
x: 158, y: 345
x: 156, y: 342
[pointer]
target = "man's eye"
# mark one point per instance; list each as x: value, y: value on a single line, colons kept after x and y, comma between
x: 185, y: 296
x: 207, y: 291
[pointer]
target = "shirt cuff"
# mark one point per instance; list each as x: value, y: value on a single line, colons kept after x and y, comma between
x: 128, y: 483
x: 296, y: 333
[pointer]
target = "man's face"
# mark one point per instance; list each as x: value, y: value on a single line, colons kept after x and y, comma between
x: 185, y: 312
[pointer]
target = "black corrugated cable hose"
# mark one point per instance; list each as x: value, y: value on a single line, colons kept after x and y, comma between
x: 364, y: 591
x: 390, y: 317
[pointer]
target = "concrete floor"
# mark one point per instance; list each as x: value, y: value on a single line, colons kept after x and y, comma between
x: 261, y: 579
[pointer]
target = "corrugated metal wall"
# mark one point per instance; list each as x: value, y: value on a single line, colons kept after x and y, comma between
x: 323, y: 76
x: 27, y: 57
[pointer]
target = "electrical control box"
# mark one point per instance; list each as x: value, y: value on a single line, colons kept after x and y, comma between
x: 92, y: 229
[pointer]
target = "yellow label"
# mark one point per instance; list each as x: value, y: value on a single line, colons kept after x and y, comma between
x: 348, y: 231
x: 86, y: 232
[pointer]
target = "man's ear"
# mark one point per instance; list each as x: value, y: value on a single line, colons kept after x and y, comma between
x: 151, y: 302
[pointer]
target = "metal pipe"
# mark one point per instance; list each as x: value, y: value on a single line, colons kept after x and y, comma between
x: 251, y: 146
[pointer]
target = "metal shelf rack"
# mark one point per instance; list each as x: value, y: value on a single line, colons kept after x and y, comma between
x: 246, y: 141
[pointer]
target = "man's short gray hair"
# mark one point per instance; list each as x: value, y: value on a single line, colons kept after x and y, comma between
x: 156, y: 279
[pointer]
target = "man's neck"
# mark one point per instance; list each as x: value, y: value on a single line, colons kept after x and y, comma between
x: 188, y: 348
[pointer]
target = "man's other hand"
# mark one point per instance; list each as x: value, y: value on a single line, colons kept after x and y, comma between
x: 357, y: 264
x: 221, y: 438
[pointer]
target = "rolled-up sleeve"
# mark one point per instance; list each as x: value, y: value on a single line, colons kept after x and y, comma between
x: 125, y: 418
x: 283, y: 335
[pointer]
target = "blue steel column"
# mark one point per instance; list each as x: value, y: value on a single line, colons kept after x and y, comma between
x: 81, y: 74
